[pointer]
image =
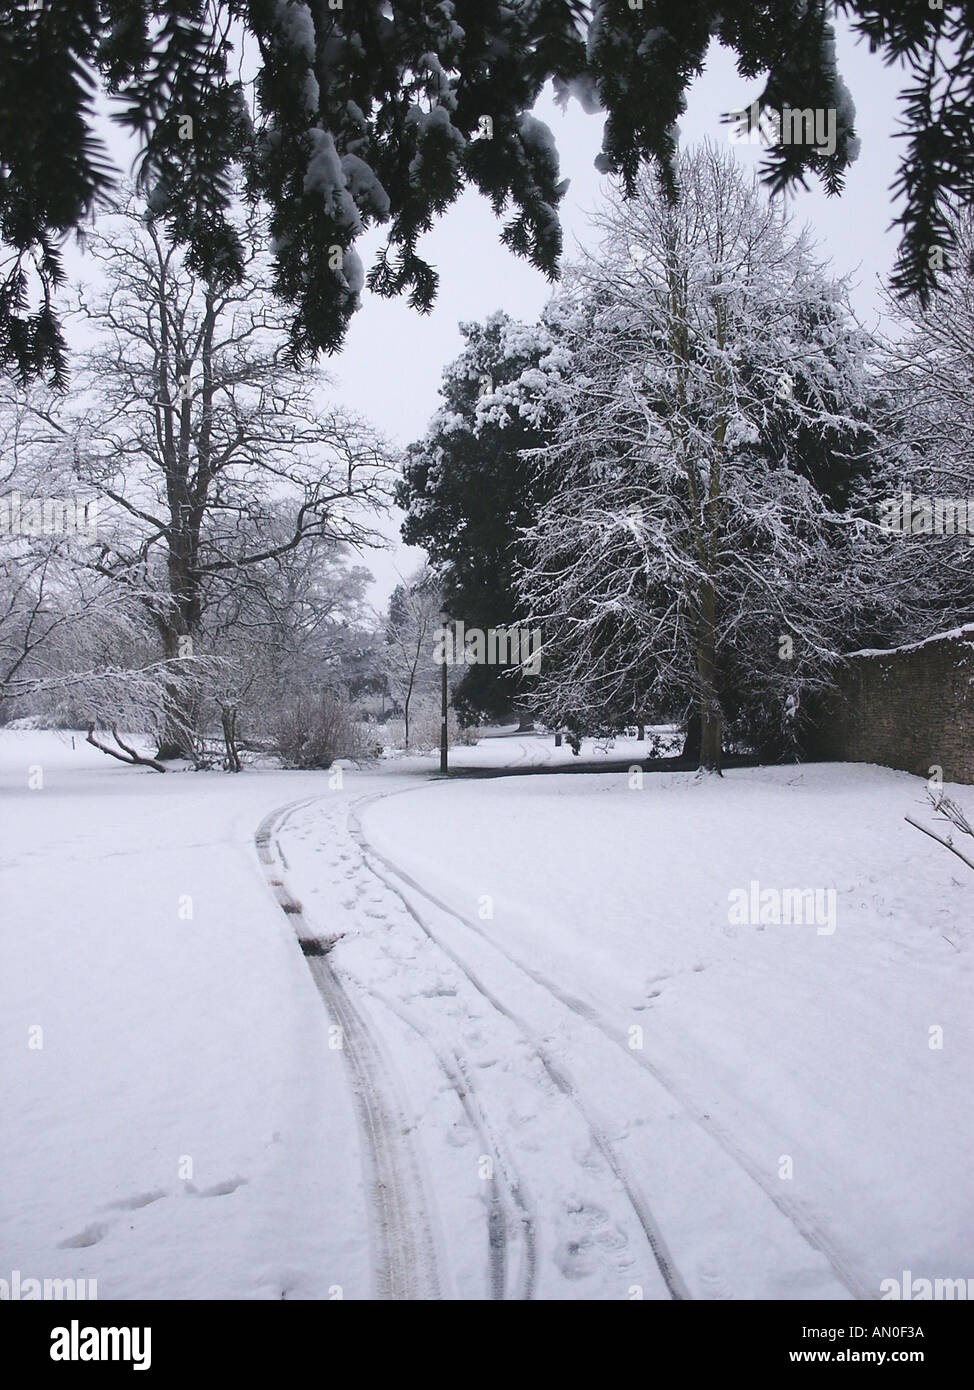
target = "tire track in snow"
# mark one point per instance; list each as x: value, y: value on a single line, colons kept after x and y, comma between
x: 508, y: 1209
x: 665, y: 1263
x: 839, y: 1262
x: 405, y: 1259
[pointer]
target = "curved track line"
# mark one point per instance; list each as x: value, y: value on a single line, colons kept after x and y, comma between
x: 504, y: 1197
x: 841, y: 1267
x: 405, y: 1258
x: 654, y: 1237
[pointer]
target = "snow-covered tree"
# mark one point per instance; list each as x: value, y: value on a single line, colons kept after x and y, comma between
x: 694, y: 550
x: 288, y: 629
x: 415, y: 609
x: 210, y: 454
x: 468, y: 493
x: 343, y: 116
x: 73, y: 646
x: 351, y: 115
x: 923, y: 499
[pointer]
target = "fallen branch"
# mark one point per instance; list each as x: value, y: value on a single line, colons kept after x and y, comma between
x: 127, y: 755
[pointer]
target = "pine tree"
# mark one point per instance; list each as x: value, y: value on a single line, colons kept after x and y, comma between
x: 377, y: 113
x: 467, y: 491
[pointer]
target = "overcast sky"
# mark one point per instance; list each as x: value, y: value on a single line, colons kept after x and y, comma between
x: 390, y: 367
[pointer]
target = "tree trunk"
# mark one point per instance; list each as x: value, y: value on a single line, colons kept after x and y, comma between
x: 691, y: 743
x: 174, y: 741
x: 710, y: 737
x: 228, y: 718
x: 711, y: 720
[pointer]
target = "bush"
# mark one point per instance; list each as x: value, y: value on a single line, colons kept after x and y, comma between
x: 424, y: 730
x: 311, y: 731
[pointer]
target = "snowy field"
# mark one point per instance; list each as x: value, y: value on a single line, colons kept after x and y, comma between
x: 546, y: 1058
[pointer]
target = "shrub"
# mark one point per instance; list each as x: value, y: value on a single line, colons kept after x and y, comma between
x: 424, y: 730
x: 311, y: 731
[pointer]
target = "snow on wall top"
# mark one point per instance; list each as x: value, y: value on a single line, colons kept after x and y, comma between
x: 955, y: 632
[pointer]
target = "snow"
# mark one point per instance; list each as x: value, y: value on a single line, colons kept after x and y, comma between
x: 312, y: 93
x: 438, y: 80
x: 792, y: 1042
x: 845, y: 106
x: 298, y: 27
x: 163, y: 1038
x: 364, y: 187
x: 953, y: 635
x: 583, y: 88
x: 538, y: 139
x: 434, y: 126
x: 325, y: 177
x: 353, y: 270
x: 504, y: 939
x: 741, y: 433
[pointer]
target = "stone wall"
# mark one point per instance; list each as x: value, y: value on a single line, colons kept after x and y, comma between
x: 912, y: 709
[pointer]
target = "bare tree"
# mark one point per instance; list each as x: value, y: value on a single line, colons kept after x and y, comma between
x: 414, y: 614
x: 199, y: 434
x: 72, y: 644
x: 284, y: 627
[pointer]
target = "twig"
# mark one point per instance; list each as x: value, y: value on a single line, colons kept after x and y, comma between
x: 947, y: 844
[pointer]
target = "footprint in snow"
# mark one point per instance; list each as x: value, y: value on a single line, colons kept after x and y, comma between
x: 221, y: 1189
x: 91, y: 1235
x: 712, y: 1284
x: 577, y: 1259
x: 141, y: 1199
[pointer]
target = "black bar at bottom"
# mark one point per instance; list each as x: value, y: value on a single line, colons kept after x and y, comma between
x: 257, y: 1338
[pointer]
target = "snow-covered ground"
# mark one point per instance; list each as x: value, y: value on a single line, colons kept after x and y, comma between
x: 547, y: 1057
x: 165, y: 1039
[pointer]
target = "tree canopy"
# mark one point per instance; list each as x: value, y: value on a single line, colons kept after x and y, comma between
x: 467, y: 492
x: 383, y: 112
x: 693, y: 550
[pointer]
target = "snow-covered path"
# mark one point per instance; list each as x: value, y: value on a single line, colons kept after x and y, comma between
x: 488, y: 1100
x: 764, y: 1082
x: 405, y: 1265
x: 570, y: 1123
x: 540, y: 1061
